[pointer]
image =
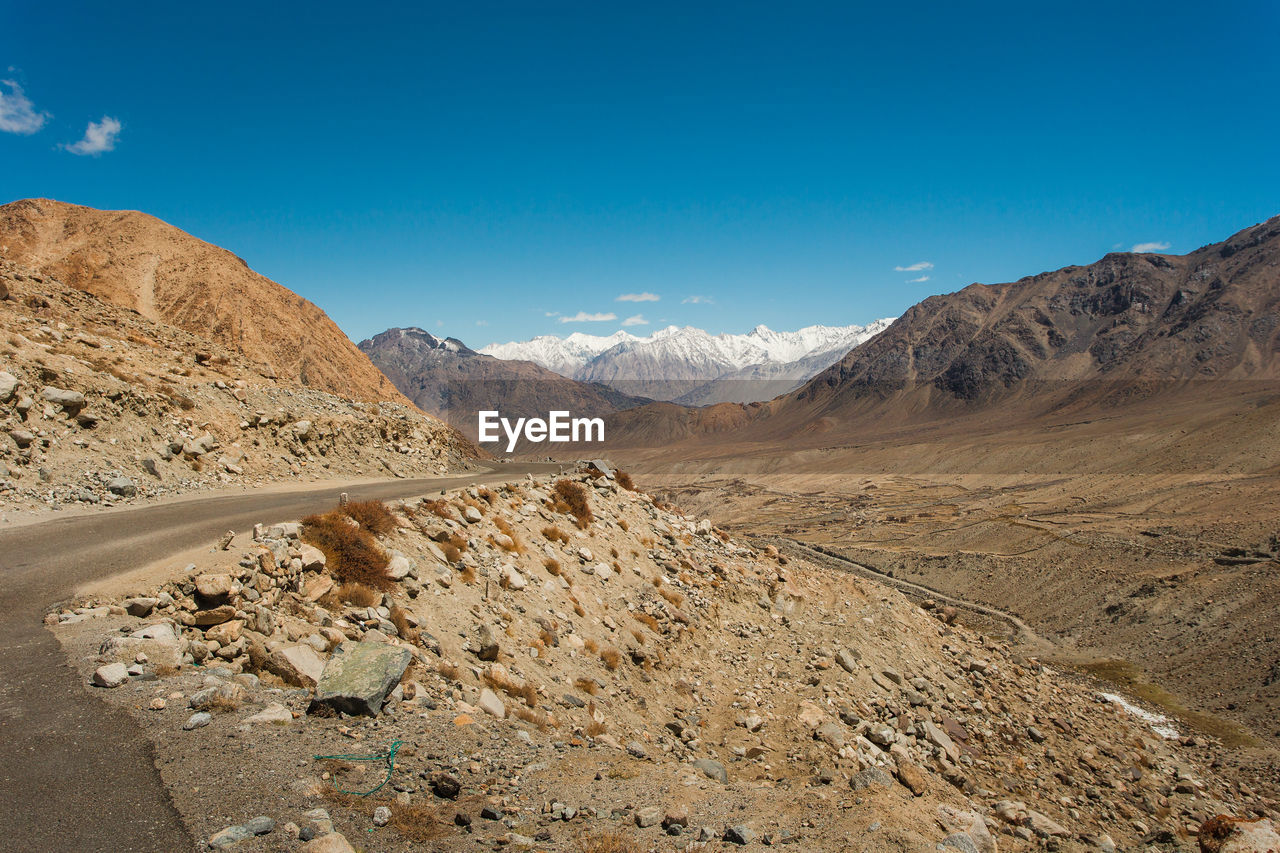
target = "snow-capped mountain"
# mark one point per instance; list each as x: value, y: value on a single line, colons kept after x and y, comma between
x: 690, y: 365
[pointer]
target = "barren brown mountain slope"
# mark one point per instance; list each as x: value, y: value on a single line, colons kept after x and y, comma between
x: 139, y: 262
x: 1126, y: 328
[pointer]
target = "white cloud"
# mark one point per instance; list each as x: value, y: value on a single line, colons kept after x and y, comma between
x: 697, y: 300
x: 638, y: 297
x: 550, y: 313
x: 584, y: 317
x: 99, y: 136
x: 916, y: 267
x: 17, y: 113
x: 482, y: 322
x: 637, y: 320
x: 1157, y: 246
x: 917, y: 280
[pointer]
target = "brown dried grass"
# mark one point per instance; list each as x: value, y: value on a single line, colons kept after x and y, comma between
x: 612, y: 658
x: 351, y: 553
x: 574, y: 497
x: 555, y: 534
x: 373, y: 516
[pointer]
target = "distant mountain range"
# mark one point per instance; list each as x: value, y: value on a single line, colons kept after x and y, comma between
x: 693, y: 367
x: 447, y: 378
x: 1129, y: 328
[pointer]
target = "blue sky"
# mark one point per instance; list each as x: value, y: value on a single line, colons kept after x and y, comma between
x: 519, y: 164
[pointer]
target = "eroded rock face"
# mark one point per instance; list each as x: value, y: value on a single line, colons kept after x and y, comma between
x: 358, y: 677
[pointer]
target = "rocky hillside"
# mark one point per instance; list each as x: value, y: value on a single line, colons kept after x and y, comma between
x: 99, y: 404
x: 1129, y: 328
x: 1127, y: 319
x: 136, y: 261
x: 568, y: 665
x: 448, y: 379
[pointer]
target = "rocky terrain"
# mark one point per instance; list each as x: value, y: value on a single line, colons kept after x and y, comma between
x: 690, y: 366
x: 99, y: 405
x: 136, y: 261
x: 449, y: 379
x: 566, y: 664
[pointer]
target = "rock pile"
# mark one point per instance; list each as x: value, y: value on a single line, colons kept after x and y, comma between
x: 554, y: 680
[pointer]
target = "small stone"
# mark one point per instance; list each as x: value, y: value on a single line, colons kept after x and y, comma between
x: 334, y: 842
x: 381, y: 816
x: 140, y: 606
x: 912, y: 777
x: 491, y: 704
x: 260, y: 825
x: 739, y: 834
x: 228, y: 837
x: 122, y: 486
x: 648, y: 816
x: 712, y: 769
x: 636, y: 749
x: 197, y: 720
x: 110, y: 675
x: 446, y: 786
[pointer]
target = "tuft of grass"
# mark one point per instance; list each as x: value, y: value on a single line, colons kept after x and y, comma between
x: 437, y: 507
x: 540, y: 719
x: 468, y: 575
x: 552, y: 565
x: 358, y: 594
x: 351, y: 553
x: 400, y: 618
x: 608, y: 841
x: 479, y: 507
x: 622, y: 522
x: 451, y: 552
x: 373, y: 516
x: 649, y: 620
x: 574, y: 498
x: 448, y: 670
x: 522, y: 690
x: 586, y: 685
x: 671, y: 595
x: 517, y: 546
x: 624, y: 480
x: 612, y: 658
x: 591, y: 646
x: 555, y: 534
x: 488, y: 495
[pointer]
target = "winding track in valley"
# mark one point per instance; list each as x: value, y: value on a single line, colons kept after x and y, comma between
x: 76, y: 773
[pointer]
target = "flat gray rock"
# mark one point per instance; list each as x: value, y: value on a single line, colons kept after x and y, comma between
x: 358, y: 677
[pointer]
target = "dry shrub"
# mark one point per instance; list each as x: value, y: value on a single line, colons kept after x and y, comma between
x: 522, y: 690
x: 448, y: 670
x: 373, y: 516
x: 504, y: 581
x: 517, y: 546
x: 574, y: 497
x: 608, y: 841
x: 552, y: 565
x: 555, y: 534
x: 458, y: 541
x: 648, y: 542
x: 488, y: 495
x: 635, y: 632
x: 468, y: 574
x: 586, y: 685
x: 612, y: 658
x: 613, y: 552
x: 400, y: 618
x: 451, y: 552
x: 351, y: 553
x: 671, y: 595
x: 624, y: 480
x: 540, y: 719
x: 622, y: 522
x: 358, y: 594
x: 223, y: 704
x: 649, y: 620
x: 437, y: 507
x: 577, y: 608
x: 418, y: 821
x: 547, y: 638
x: 479, y: 507
x: 591, y: 646
x: 724, y: 537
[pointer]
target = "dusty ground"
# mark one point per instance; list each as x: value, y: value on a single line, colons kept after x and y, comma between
x: 728, y: 644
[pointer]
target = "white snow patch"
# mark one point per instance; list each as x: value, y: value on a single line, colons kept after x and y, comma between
x: 1160, y: 724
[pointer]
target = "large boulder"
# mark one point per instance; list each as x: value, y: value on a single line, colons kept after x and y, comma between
x: 359, y: 676
x: 297, y: 664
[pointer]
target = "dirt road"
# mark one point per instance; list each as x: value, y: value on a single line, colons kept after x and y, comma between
x: 75, y: 774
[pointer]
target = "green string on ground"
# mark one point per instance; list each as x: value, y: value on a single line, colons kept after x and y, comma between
x: 389, y: 756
